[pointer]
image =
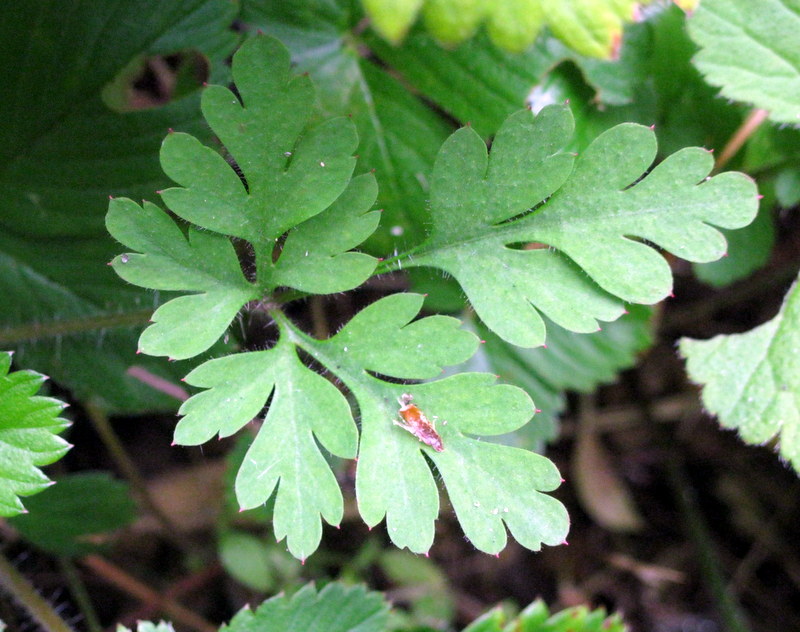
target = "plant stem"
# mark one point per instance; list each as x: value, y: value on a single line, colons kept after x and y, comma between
x: 80, y: 594
x: 732, y: 616
x: 133, y: 586
x: 13, y: 582
x: 120, y: 457
x: 739, y: 138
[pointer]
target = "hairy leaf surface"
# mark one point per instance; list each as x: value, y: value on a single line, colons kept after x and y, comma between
x: 292, y: 175
x: 587, y: 241
x: 491, y: 486
x: 751, y: 381
x: 29, y: 428
x: 751, y: 50
x: 335, y: 608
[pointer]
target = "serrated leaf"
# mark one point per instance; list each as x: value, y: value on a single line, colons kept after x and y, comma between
x: 750, y: 380
x: 29, y: 428
x: 63, y: 151
x: 751, y: 51
x: 294, y: 173
x: 590, y: 226
x: 393, y: 479
x: 336, y: 608
x: 64, y: 518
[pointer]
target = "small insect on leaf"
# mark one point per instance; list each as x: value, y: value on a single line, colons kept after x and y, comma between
x: 415, y: 422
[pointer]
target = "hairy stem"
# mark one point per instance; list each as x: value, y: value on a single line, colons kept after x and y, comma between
x: 13, y: 582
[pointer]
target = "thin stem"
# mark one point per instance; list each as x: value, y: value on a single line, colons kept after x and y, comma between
x: 15, y: 584
x: 132, y: 586
x: 80, y: 594
x: 120, y: 457
x: 732, y: 615
x: 739, y: 138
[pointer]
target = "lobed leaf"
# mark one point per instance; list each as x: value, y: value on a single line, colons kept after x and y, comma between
x: 590, y: 229
x: 292, y: 174
x: 284, y: 454
x: 29, y: 428
x: 394, y: 478
x: 750, y: 380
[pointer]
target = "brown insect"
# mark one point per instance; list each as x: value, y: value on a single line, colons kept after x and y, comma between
x: 415, y: 422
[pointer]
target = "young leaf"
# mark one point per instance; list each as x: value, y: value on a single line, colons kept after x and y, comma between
x: 751, y: 50
x: 29, y: 425
x: 293, y: 173
x: 336, y: 608
x: 488, y: 484
x: 595, y: 220
x: 751, y: 380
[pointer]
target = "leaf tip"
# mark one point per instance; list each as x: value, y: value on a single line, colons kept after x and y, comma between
x: 544, y: 345
x: 565, y: 543
x: 483, y: 342
x: 170, y: 130
x: 653, y: 127
x: 536, y: 411
x: 759, y: 196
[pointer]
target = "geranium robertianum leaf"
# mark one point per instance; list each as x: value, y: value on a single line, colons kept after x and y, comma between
x: 295, y: 181
x: 524, y: 231
x: 489, y: 484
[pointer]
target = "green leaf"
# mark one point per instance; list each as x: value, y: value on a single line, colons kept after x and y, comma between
x: 748, y: 249
x: 750, y: 380
x: 591, y: 27
x: 294, y: 174
x: 247, y: 559
x: 63, y: 519
x: 489, y: 484
x: 392, y: 19
x: 594, y: 221
x: 148, y: 626
x: 29, y: 428
x: 570, y: 362
x: 751, y: 51
x: 398, y: 134
x: 284, y: 453
x: 63, y: 150
x: 336, y: 608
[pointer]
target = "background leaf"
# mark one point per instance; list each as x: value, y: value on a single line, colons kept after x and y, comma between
x: 335, y: 608
x: 750, y: 50
x: 68, y: 519
x: 750, y: 380
x: 29, y: 425
x: 63, y: 151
